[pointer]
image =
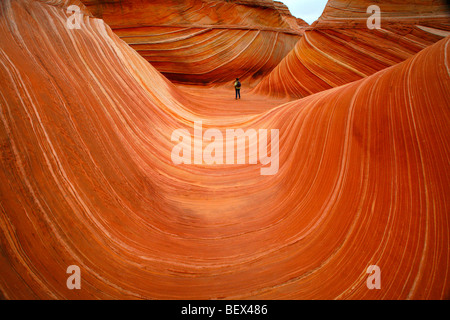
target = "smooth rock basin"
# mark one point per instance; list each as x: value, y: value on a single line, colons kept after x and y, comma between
x: 87, y: 177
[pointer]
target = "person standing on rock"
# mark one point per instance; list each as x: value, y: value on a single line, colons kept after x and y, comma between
x: 237, y: 86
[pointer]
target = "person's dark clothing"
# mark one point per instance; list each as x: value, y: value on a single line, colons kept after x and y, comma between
x: 237, y: 86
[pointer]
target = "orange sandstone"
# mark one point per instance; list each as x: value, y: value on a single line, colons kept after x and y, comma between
x: 87, y: 179
x: 340, y: 48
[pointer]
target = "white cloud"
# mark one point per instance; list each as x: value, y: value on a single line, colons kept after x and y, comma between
x: 308, y: 10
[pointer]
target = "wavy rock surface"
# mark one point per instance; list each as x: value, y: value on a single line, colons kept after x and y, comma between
x: 350, y: 13
x: 87, y: 179
x: 205, y: 41
x: 340, y: 48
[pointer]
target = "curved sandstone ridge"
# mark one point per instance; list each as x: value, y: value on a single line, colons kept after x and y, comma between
x: 329, y: 58
x: 88, y: 180
x: 239, y: 13
x: 205, y: 41
x: 341, y: 48
x: 350, y: 13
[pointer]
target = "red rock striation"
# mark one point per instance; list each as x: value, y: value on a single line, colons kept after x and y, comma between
x: 351, y: 13
x: 204, y: 41
x: 87, y: 178
x: 340, y: 48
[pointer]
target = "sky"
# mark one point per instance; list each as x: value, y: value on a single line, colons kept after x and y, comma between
x: 308, y: 10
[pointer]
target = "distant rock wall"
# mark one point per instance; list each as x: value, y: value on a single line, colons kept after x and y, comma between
x: 205, y: 41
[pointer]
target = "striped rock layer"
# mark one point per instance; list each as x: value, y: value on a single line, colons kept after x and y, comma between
x: 87, y: 178
x: 340, y: 48
x: 204, y: 41
x: 350, y: 13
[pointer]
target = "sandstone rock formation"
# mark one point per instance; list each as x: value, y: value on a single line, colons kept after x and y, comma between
x: 204, y: 41
x: 351, y: 13
x: 87, y: 177
x: 340, y: 48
